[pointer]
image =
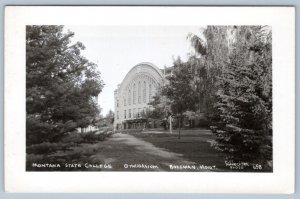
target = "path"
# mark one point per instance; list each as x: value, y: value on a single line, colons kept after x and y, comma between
x: 123, y: 150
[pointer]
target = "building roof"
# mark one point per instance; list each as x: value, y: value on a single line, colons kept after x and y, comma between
x: 152, y: 66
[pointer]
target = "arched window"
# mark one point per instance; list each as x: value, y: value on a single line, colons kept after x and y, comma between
x: 124, y: 101
x: 134, y: 93
x: 129, y: 97
x: 144, y: 92
x: 150, y: 92
x: 139, y: 93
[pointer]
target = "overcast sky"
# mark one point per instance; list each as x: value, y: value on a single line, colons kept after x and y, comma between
x: 116, y: 49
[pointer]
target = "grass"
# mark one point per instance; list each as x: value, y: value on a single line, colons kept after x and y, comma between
x: 194, y: 145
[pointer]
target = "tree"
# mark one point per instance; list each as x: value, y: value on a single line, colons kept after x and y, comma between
x: 244, y: 97
x: 159, y: 108
x: 212, y: 53
x: 61, y: 85
x: 234, y: 66
x: 110, y: 116
x: 180, y: 91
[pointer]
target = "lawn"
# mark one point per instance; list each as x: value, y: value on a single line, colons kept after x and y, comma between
x: 194, y: 145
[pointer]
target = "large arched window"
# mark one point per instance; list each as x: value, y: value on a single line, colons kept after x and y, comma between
x: 129, y: 97
x: 134, y: 93
x: 150, y: 92
x: 139, y: 93
x: 144, y: 92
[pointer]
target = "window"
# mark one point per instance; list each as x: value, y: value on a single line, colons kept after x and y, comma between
x: 144, y: 92
x: 117, y: 115
x: 134, y: 93
x: 139, y: 112
x: 150, y: 92
x: 124, y: 101
x: 133, y: 113
x: 129, y: 97
x: 129, y: 116
x: 139, y: 93
x: 124, y: 114
x: 117, y: 103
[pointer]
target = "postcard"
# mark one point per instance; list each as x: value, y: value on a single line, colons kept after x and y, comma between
x: 116, y: 99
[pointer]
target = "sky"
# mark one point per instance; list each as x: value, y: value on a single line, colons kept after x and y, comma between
x: 116, y: 49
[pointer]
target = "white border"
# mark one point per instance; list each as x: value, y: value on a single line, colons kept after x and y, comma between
x: 282, y: 20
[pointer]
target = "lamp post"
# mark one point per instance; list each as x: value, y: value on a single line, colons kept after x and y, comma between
x: 169, y: 116
x: 170, y: 119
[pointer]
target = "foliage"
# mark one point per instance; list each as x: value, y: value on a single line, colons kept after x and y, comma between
x: 159, y: 107
x: 68, y: 141
x: 179, y: 90
x: 244, y: 102
x: 73, y: 137
x: 60, y: 85
x: 47, y: 147
x: 105, y: 122
x: 92, y: 137
x: 214, y: 42
x: 110, y: 116
x: 233, y: 80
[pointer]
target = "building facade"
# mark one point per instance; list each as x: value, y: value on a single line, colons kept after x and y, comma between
x: 137, y: 89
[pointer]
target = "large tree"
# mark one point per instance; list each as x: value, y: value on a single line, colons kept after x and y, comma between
x: 180, y: 91
x: 61, y: 84
x: 236, y: 64
x: 245, y: 97
x: 212, y: 54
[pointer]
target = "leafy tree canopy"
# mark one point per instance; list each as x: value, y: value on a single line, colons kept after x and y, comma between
x: 180, y: 89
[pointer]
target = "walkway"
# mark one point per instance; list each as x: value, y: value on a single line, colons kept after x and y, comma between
x: 126, y: 152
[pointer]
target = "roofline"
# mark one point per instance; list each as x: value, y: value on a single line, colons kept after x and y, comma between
x: 144, y: 63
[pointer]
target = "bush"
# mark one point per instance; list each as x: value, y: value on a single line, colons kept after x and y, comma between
x: 47, y: 147
x: 95, y: 136
x: 73, y: 137
x: 89, y: 137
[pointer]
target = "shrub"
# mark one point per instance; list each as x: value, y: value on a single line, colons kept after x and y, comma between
x: 73, y: 137
x: 89, y: 137
x: 47, y: 147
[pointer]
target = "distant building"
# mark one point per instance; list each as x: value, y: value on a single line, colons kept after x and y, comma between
x: 135, y: 92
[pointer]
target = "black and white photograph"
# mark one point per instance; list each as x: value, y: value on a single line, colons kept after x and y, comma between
x: 149, y: 98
